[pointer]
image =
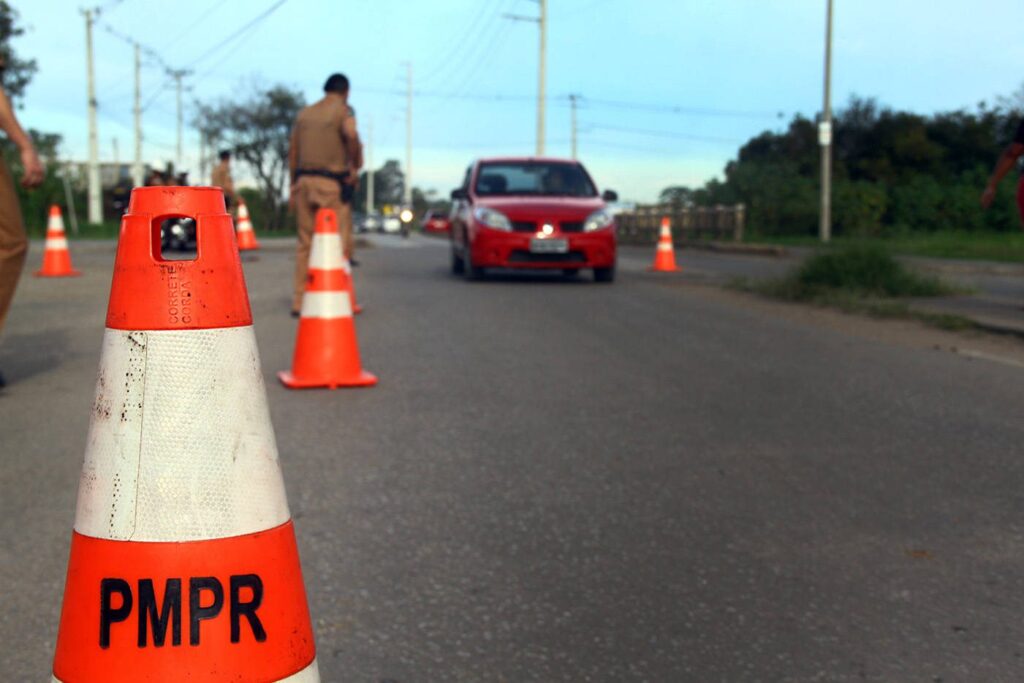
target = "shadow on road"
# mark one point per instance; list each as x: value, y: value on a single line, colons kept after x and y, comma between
x: 25, y: 355
x: 527, y: 277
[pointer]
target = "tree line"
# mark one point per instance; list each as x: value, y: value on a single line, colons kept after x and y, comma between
x: 893, y: 172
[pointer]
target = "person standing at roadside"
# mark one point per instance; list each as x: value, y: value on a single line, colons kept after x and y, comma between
x: 324, y: 160
x: 13, y: 240
x: 1007, y: 160
x: 221, y: 177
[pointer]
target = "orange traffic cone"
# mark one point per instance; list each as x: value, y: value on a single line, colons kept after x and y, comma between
x: 326, y: 351
x: 664, y: 255
x: 246, y: 235
x: 56, y: 257
x: 183, y: 558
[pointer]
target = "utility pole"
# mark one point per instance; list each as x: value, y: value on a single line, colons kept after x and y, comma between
x: 572, y: 105
x: 408, y: 136
x: 177, y: 75
x: 542, y: 75
x: 369, y: 168
x: 542, y: 23
x: 95, y: 212
x: 825, y: 136
x: 137, y: 179
x: 117, y: 152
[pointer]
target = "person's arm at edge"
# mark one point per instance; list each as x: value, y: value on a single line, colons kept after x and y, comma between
x: 293, y: 160
x: 353, y: 146
x: 34, y: 171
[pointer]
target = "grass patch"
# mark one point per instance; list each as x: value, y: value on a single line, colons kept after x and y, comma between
x: 862, y: 279
x: 861, y: 271
x: 1005, y: 247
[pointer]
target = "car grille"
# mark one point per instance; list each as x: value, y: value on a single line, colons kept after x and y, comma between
x: 524, y: 226
x: 572, y: 226
x: 523, y: 256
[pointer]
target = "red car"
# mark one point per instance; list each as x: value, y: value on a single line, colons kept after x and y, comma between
x: 435, y: 222
x: 535, y: 213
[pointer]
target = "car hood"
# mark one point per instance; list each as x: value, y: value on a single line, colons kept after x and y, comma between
x: 542, y: 208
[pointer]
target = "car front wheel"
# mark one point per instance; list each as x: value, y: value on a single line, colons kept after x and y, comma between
x: 472, y: 271
x: 604, y: 274
x: 458, y: 265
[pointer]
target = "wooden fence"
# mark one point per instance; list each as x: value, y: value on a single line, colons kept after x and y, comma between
x: 689, y: 223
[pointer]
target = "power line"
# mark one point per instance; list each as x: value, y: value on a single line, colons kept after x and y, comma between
x: 686, y: 111
x: 663, y: 134
x: 186, y: 31
x: 455, y: 45
x: 266, y: 13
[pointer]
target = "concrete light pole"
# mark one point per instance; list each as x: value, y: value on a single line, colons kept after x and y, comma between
x: 542, y: 23
x: 825, y: 136
x: 137, y: 179
x: 95, y: 212
x: 408, y: 136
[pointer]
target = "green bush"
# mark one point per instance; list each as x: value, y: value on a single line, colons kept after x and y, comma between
x: 866, y: 270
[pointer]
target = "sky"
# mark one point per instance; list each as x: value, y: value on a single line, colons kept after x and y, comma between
x: 669, y: 89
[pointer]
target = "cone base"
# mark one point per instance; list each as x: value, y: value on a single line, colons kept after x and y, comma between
x: 70, y: 273
x: 249, y: 247
x: 363, y: 379
x: 673, y: 269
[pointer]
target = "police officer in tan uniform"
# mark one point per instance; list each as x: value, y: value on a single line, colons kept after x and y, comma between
x: 324, y: 159
x: 13, y: 241
x: 221, y: 177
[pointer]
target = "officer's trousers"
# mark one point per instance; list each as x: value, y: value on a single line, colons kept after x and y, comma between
x: 13, y: 242
x: 313, y: 193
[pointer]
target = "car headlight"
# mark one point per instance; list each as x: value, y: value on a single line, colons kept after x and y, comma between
x: 491, y: 218
x: 598, y: 220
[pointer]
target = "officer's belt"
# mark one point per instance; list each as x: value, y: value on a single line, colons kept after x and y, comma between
x: 347, y: 191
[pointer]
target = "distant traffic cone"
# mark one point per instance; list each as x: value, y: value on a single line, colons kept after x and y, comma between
x: 246, y: 235
x: 326, y: 351
x: 665, y: 255
x: 56, y: 257
x: 183, y: 560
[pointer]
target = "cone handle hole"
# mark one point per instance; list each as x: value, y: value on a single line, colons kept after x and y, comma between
x: 174, y: 238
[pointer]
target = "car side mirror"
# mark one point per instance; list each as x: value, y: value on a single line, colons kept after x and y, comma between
x: 459, y: 194
x: 610, y: 196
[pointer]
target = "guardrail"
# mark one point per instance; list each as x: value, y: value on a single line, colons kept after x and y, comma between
x: 689, y: 223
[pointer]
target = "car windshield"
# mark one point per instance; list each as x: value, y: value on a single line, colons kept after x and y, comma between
x: 533, y: 178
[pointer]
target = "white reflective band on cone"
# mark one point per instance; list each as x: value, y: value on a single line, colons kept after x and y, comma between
x: 244, y: 225
x: 664, y: 246
x: 180, y: 445
x: 311, y: 674
x: 326, y: 252
x: 57, y: 243
x: 55, y: 223
x: 326, y: 305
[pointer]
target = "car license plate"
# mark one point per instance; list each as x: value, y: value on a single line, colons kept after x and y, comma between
x: 549, y: 246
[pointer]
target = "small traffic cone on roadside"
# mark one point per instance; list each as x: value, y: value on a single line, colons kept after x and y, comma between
x: 665, y: 255
x: 326, y: 350
x: 246, y: 235
x: 183, y: 563
x: 56, y: 257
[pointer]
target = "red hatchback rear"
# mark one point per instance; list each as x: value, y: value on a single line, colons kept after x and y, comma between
x: 535, y: 213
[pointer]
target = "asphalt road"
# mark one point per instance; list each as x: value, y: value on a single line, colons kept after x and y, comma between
x: 563, y: 481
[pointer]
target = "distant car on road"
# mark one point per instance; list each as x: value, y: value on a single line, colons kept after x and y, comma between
x: 531, y: 212
x: 391, y: 224
x: 435, y: 222
x: 368, y: 222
